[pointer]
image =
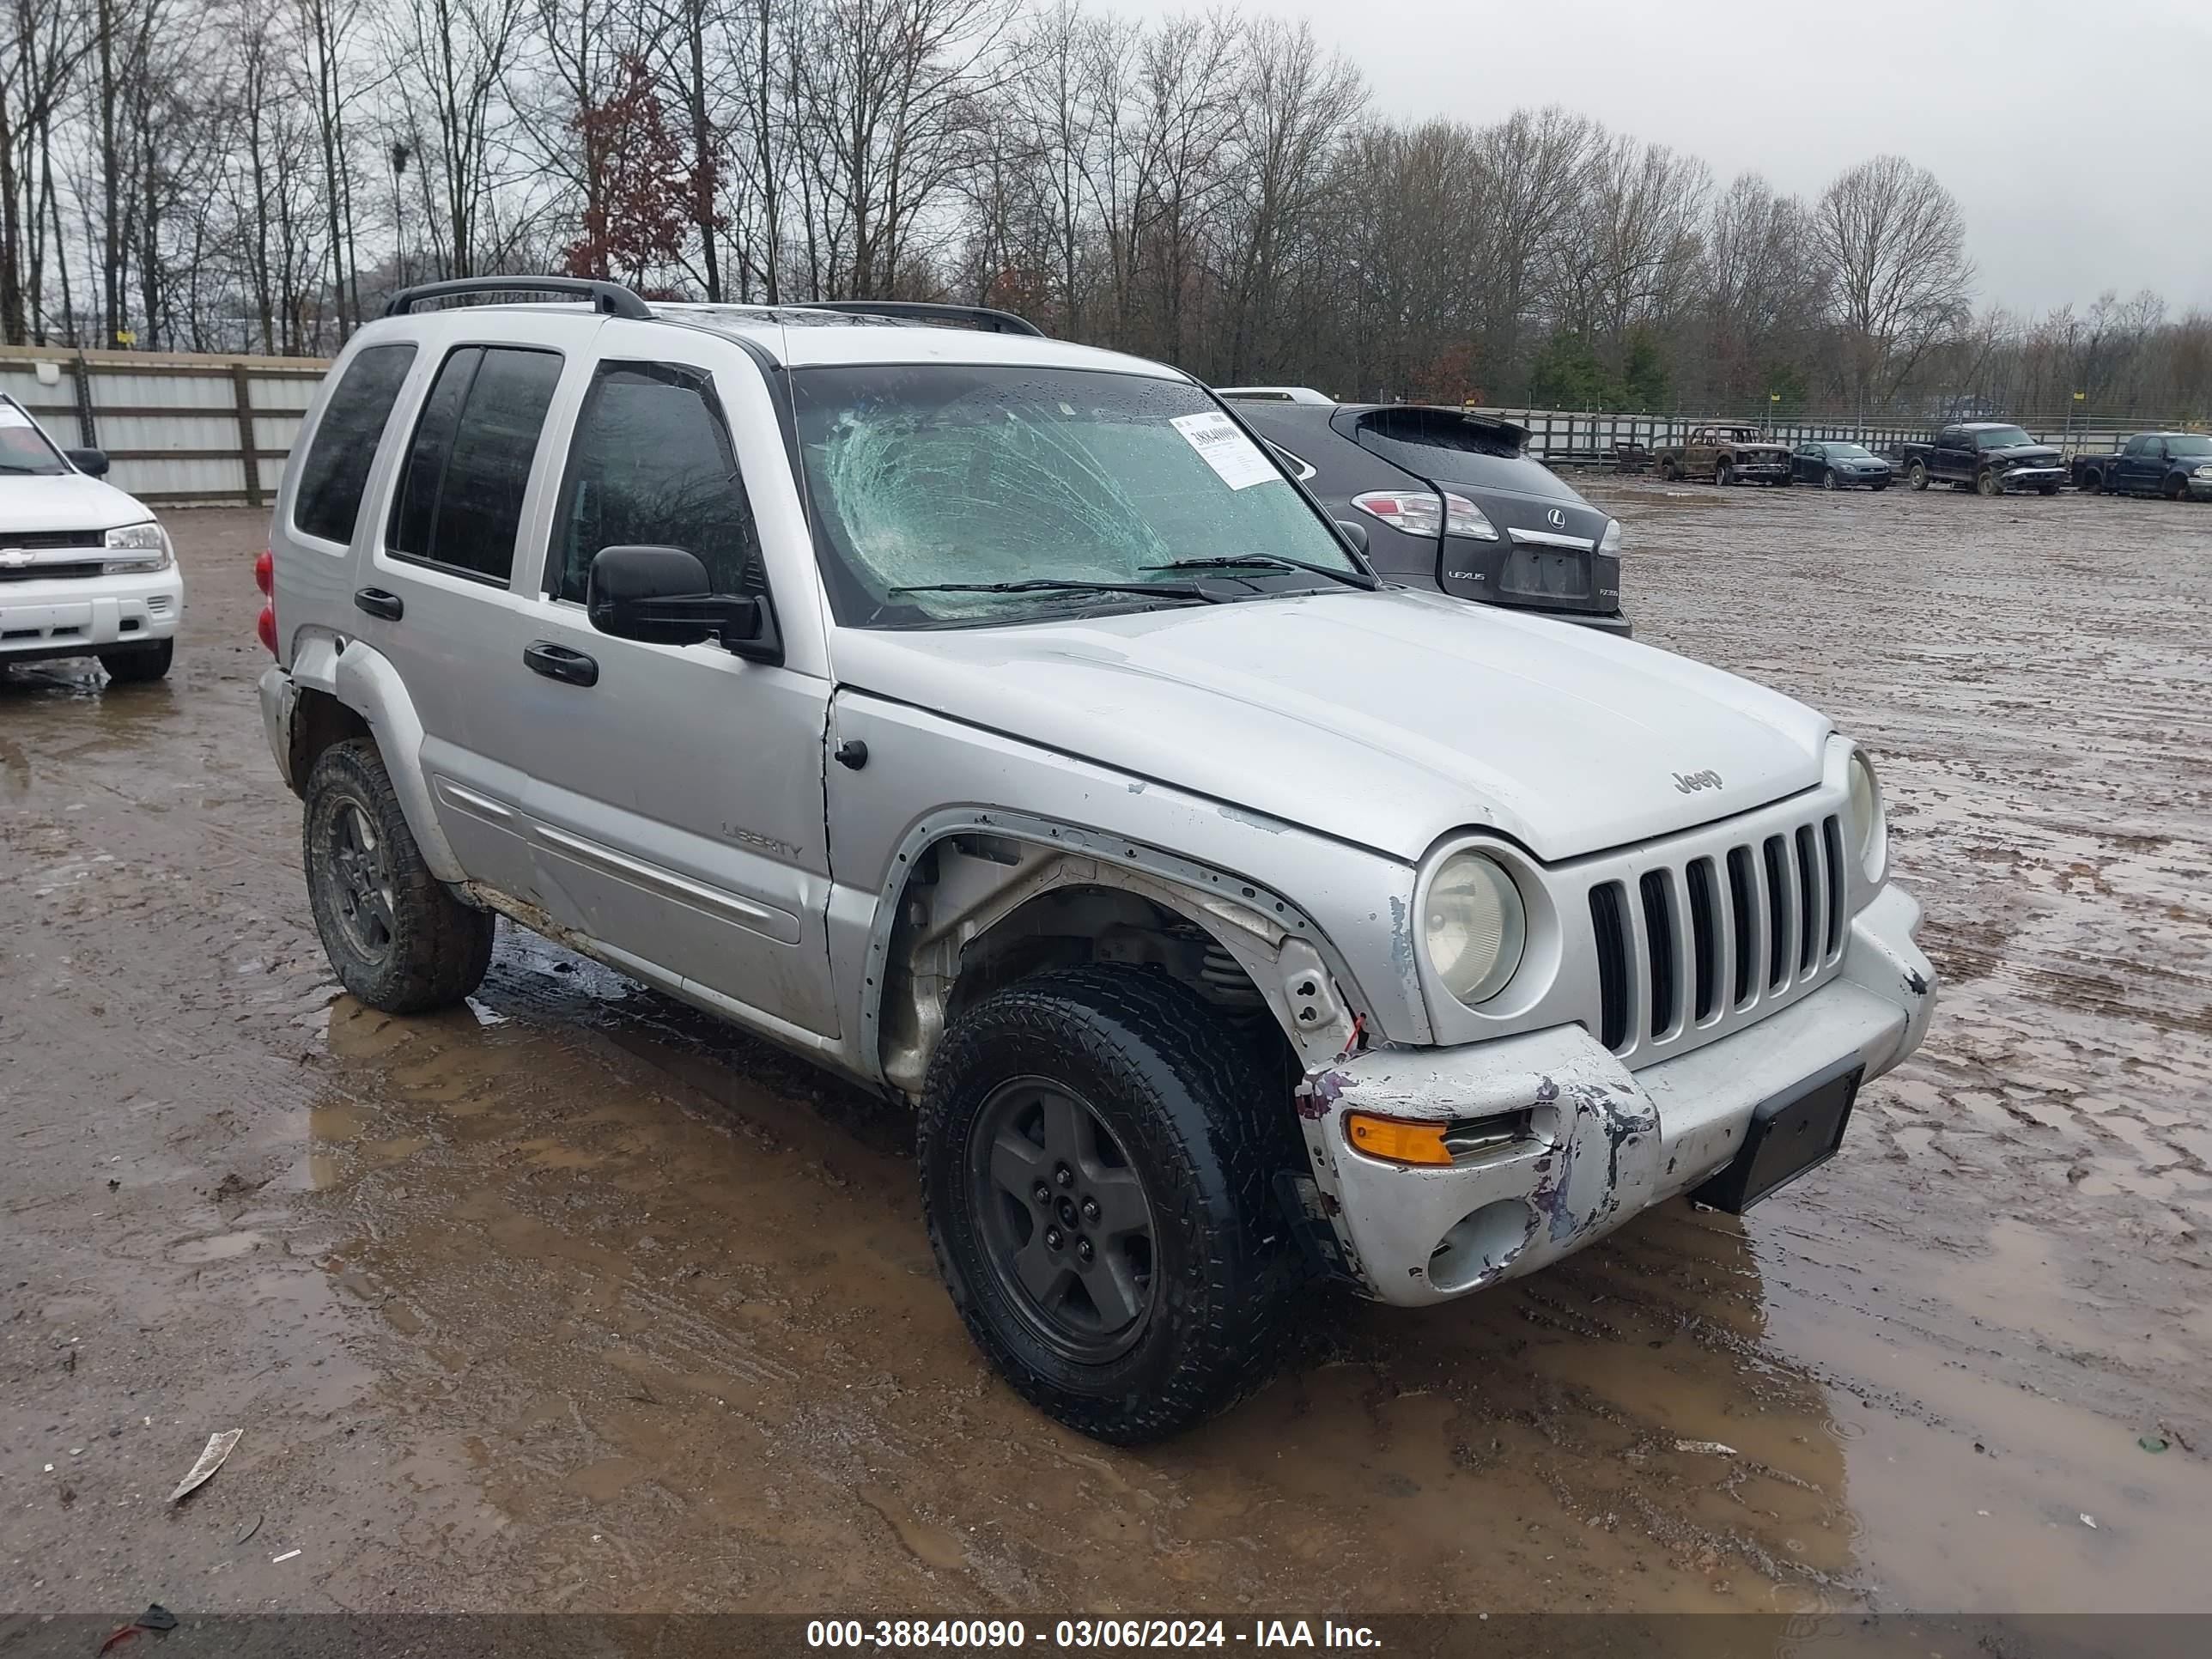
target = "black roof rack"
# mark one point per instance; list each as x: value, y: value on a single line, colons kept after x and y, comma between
x: 919, y: 311
x: 611, y: 298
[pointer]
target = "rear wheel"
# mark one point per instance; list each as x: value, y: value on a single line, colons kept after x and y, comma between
x: 1097, y: 1157
x: 139, y: 664
x: 1916, y: 475
x: 395, y: 935
x: 1669, y: 472
x: 1985, y: 483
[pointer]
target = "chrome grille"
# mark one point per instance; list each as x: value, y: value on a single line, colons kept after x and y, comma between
x: 1695, y: 944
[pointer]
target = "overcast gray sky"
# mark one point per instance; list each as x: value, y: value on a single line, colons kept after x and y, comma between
x: 2077, y: 135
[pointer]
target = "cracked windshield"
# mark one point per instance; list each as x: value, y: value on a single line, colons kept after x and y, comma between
x: 937, y: 487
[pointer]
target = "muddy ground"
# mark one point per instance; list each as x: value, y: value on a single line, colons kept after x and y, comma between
x: 572, y: 1300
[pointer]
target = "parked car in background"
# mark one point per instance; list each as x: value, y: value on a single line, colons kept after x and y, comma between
x: 1724, y: 455
x: 1452, y: 502
x: 1275, y: 394
x: 993, y: 721
x: 85, y: 570
x: 1835, y: 464
x: 1987, y: 457
x: 2175, y: 464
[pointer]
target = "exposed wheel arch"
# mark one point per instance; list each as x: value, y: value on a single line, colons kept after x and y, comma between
x: 982, y: 904
x: 318, y: 720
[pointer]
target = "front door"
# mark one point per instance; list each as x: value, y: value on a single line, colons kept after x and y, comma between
x: 675, y: 799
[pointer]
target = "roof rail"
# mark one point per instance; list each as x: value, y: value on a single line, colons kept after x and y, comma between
x: 611, y: 298
x: 919, y: 311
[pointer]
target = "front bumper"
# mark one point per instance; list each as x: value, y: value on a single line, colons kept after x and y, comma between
x: 2199, y: 489
x: 68, y: 617
x: 2032, y: 478
x: 1758, y: 471
x: 1602, y: 1143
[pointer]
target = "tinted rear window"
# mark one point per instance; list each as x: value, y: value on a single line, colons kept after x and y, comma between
x: 460, y: 497
x: 337, y: 470
x: 1438, y: 444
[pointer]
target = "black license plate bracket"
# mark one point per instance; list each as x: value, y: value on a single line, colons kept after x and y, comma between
x: 1789, y: 1133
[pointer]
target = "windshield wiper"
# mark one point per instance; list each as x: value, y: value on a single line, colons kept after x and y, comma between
x: 1271, y: 562
x: 1057, y: 585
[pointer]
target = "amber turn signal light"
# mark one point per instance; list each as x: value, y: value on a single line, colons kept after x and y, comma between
x: 1401, y: 1141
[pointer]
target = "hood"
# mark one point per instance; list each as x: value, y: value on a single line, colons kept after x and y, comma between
x: 63, y: 500
x: 1387, y: 719
x: 2017, y: 453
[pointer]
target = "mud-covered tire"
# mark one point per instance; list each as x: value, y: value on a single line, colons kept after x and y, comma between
x: 1193, y: 1119
x: 395, y: 934
x: 2093, y: 482
x: 139, y: 664
x: 2174, y: 488
x: 1987, y: 483
x: 1724, y: 474
x: 1917, y: 476
x: 1669, y: 472
x: 2046, y: 489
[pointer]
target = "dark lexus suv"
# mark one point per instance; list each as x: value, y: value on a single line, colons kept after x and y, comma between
x: 1451, y: 501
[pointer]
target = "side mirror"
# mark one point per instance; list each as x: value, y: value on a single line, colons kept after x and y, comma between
x: 661, y: 595
x: 1354, y: 533
x: 92, y: 462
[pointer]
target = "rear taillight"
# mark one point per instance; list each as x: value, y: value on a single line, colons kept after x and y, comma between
x: 1414, y: 512
x: 264, y: 578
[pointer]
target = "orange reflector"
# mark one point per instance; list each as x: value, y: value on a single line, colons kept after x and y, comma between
x: 1397, y: 1139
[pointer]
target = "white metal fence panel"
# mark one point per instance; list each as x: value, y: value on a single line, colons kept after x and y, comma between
x: 176, y: 427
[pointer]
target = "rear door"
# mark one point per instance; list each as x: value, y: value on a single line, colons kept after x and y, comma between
x: 433, y: 595
x: 1545, y: 554
x: 675, y: 793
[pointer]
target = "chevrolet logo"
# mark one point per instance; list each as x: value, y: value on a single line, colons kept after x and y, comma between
x: 13, y: 558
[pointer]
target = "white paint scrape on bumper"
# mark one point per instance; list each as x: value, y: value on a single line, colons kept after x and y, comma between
x: 1601, y: 1142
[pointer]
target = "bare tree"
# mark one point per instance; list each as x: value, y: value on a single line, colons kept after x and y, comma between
x: 1894, y: 246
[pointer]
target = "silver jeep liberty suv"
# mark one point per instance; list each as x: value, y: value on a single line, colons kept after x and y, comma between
x: 995, y: 721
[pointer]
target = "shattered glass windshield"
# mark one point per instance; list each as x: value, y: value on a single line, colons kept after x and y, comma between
x: 926, y: 475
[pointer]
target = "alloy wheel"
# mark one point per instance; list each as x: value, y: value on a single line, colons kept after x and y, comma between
x: 1065, y: 1221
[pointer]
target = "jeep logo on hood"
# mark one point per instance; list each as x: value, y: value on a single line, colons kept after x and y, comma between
x: 1689, y: 783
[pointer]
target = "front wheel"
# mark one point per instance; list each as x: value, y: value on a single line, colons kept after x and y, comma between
x: 1986, y: 483
x: 2046, y: 489
x: 1097, y: 1157
x: 140, y: 664
x: 1829, y: 480
x: 1917, y: 476
x: 2174, y: 489
x: 1880, y: 484
x: 1724, y: 474
x: 397, y: 938
x: 1785, y: 481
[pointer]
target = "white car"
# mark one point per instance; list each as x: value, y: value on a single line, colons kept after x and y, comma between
x: 85, y: 570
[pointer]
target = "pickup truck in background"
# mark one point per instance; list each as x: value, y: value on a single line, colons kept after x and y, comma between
x: 1726, y: 455
x: 2175, y: 464
x: 1986, y: 457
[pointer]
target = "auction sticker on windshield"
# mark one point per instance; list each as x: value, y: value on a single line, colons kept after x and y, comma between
x: 1223, y: 446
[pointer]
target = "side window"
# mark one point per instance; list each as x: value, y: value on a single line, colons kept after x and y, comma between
x: 460, y: 498
x: 337, y: 468
x: 653, y: 465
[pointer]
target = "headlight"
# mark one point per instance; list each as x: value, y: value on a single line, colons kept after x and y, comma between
x: 2205, y: 470
x: 1869, y: 823
x: 1474, y: 927
x: 148, y: 541
x: 1610, y: 542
